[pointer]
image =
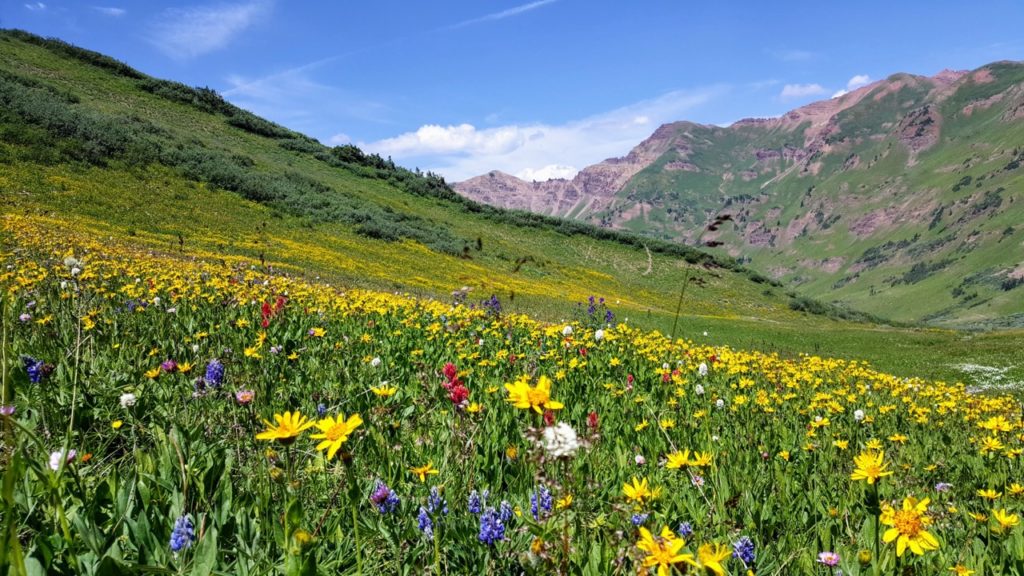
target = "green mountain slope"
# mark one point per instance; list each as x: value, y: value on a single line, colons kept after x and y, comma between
x: 902, y: 198
x: 87, y: 142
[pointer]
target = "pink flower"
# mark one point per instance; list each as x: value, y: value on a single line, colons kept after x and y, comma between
x: 828, y: 558
x: 57, y: 456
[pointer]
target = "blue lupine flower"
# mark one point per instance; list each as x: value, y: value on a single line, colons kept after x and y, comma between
x: 505, y: 512
x: 685, y: 529
x: 384, y: 498
x: 492, y: 529
x: 474, y: 502
x: 608, y: 317
x: 492, y: 305
x: 639, y: 519
x: 183, y: 534
x: 744, y: 550
x: 214, y: 373
x: 321, y: 410
x: 540, y: 500
x: 425, y: 524
x: 36, y: 369
x: 436, y: 503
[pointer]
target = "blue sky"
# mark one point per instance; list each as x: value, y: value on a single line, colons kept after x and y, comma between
x: 535, y: 88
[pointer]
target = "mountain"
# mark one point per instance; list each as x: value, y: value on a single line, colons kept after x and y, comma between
x: 901, y: 198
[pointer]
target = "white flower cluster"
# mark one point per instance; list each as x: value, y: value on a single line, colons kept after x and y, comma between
x: 128, y: 400
x: 560, y: 441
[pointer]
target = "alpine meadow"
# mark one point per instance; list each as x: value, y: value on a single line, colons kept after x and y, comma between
x: 786, y: 346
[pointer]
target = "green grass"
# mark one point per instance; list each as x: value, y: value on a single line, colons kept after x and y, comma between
x: 536, y: 268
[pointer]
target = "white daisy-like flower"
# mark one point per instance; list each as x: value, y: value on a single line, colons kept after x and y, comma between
x: 560, y: 441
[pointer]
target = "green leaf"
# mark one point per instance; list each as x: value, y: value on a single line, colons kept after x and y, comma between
x: 206, y: 554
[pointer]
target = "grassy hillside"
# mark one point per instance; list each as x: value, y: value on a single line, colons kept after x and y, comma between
x: 91, y: 144
x: 905, y: 203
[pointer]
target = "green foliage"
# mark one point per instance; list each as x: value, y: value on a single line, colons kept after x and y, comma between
x: 80, y: 54
x: 254, y: 124
x: 205, y: 99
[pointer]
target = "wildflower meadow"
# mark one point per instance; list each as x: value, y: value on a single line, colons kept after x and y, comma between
x: 169, y: 414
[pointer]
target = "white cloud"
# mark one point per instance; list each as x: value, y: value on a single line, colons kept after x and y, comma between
x: 190, y: 32
x: 793, y: 91
x: 339, y: 139
x: 110, y: 11
x: 515, y: 10
x: 548, y: 172
x: 852, y: 84
x: 538, y: 151
x: 36, y: 6
x: 858, y: 81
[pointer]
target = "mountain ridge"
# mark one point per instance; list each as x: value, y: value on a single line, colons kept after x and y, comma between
x: 887, y: 152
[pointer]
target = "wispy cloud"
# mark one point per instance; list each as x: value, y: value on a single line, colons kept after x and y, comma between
x: 190, y: 32
x: 309, y: 66
x: 514, y: 11
x: 852, y: 84
x: 36, y: 6
x: 536, y: 150
x: 297, y: 101
x: 795, y: 91
x: 110, y: 11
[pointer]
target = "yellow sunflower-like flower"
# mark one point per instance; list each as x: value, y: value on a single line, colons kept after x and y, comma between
x: 424, y: 471
x: 700, y: 459
x: 870, y: 466
x: 523, y: 396
x: 713, y: 557
x: 662, y: 551
x: 640, y: 491
x: 334, y: 431
x: 678, y: 460
x: 989, y: 494
x: 289, y: 426
x: 1004, y: 520
x: 384, y: 390
x: 908, y: 527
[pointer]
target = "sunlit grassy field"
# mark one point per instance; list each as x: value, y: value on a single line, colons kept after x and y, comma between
x: 169, y: 410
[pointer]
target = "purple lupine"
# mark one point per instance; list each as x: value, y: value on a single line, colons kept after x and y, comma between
x: 505, y: 512
x: 214, y: 376
x: 384, y: 498
x: 36, y: 369
x: 492, y: 306
x: 492, y: 529
x: 475, y: 505
x: 436, y: 503
x: 540, y: 500
x: 425, y: 524
x: 744, y: 550
x: 183, y: 534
